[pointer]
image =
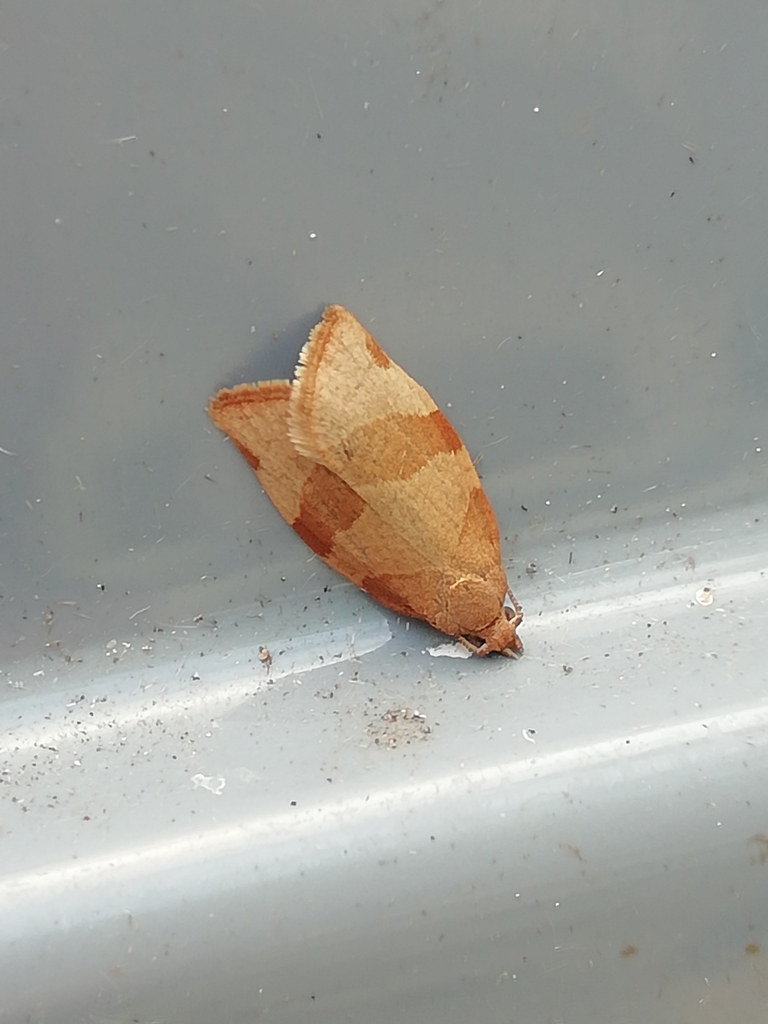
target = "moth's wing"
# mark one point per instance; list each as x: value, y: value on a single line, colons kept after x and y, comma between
x: 355, y: 411
x: 334, y: 521
x: 253, y: 416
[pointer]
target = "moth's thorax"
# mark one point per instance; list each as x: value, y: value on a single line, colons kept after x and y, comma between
x: 475, y: 603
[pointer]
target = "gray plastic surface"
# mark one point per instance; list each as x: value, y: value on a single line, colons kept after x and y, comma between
x: 554, y: 217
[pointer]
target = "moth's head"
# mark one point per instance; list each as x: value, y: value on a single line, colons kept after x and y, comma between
x: 500, y: 636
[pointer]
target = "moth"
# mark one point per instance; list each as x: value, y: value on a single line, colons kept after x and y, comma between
x: 358, y: 459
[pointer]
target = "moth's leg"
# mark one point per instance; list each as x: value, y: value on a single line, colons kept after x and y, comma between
x: 518, y: 616
x: 479, y: 651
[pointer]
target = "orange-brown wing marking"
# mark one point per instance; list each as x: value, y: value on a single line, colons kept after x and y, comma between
x: 396, y: 447
x: 328, y: 507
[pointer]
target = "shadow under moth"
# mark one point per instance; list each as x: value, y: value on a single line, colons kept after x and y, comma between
x: 359, y: 460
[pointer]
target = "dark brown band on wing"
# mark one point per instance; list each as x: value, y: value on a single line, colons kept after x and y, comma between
x: 411, y: 441
x: 328, y: 505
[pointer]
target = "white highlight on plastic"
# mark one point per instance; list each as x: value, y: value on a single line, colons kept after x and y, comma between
x: 226, y: 682
x: 319, y: 823
x: 449, y: 651
x: 213, y: 783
